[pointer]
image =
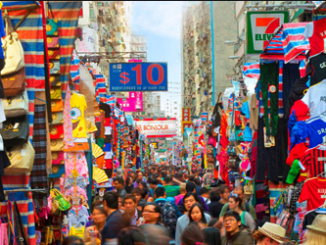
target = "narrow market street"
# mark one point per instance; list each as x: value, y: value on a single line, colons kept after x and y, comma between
x: 156, y: 123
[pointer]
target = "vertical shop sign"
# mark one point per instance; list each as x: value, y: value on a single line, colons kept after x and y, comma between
x: 186, y: 118
x: 261, y: 26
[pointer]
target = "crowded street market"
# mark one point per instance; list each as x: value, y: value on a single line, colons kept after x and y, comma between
x: 155, y: 123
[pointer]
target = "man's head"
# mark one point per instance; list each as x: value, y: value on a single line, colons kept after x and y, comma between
x: 159, y: 192
x: 190, y: 199
x: 129, y: 202
x: 168, y: 180
x: 204, y: 192
x: 232, y: 222
x: 153, y: 170
x: 197, y: 181
x: 152, y: 213
x: 153, y: 183
x: 224, y: 193
x: 191, y: 187
x: 137, y: 193
x: 140, y: 176
x: 110, y: 201
x: 214, y: 196
x: 118, y: 183
x: 240, y: 192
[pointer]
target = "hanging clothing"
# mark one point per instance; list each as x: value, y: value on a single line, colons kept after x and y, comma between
x: 298, y: 90
x: 269, y: 79
x: 77, y: 220
x: 314, y: 160
x: 314, y: 129
x: 78, y: 107
x: 315, y: 99
x: 313, y: 191
x: 316, y: 68
x: 314, y: 31
x: 39, y: 178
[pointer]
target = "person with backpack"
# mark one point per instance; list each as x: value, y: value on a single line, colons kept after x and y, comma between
x: 239, y: 191
x: 189, y: 200
x: 169, y: 211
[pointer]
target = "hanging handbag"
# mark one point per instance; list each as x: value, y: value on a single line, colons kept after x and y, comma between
x: 21, y: 233
x: 16, y: 106
x: 15, y: 131
x: 56, y: 132
x: 13, y: 50
x: 57, y: 118
x: 56, y: 105
x: 55, y: 93
x: 64, y: 204
x: 14, y: 83
x: 53, y: 42
x: 51, y: 23
x: 21, y: 158
x: 58, y: 171
x: 232, y: 133
x: 54, y: 54
x: 57, y: 145
x: 57, y: 158
x: 55, y: 80
x: 54, y: 66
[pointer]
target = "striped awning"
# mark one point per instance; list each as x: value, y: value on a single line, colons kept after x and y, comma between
x: 288, y: 43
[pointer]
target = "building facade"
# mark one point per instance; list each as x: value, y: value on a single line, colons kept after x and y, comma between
x: 205, y: 58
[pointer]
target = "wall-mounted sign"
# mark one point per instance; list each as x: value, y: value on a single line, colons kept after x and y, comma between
x: 261, y: 26
x: 143, y: 76
x: 157, y: 128
x: 132, y: 104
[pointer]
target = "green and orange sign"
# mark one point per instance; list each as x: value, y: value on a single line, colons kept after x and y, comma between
x: 261, y: 27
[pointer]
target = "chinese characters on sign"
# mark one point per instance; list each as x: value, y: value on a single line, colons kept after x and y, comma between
x: 133, y: 103
x: 186, y: 118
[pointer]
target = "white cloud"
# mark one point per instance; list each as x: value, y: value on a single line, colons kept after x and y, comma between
x: 161, y: 18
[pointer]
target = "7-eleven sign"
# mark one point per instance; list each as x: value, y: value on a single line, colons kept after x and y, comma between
x: 261, y: 26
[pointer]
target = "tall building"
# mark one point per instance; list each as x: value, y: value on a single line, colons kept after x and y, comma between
x: 139, y: 44
x: 206, y: 26
x: 172, y: 103
x: 106, y: 29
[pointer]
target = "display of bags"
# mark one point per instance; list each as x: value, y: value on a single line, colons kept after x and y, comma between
x: 13, y: 50
x: 53, y: 42
x: 58, y: 197
x: 15, y: 131
x: 55, y: 80
x: 21, y: 158
x: 57, y: 158
x: 15, y: 83
x: 54, y: 66
x: 57, y: 105
x: 56, y: 132
x: 55, y: 93
x: 16, y: 106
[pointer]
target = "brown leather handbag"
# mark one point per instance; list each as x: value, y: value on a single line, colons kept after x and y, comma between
x: 14, y: 83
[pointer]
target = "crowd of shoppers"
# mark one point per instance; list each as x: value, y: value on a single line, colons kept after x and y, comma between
x: 168, y: 205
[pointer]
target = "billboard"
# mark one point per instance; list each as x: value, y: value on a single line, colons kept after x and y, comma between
x: 261, y: 26
x: 157, y: 128
x: 134, y: 102
x: 186, y: 118
x: 127, y: 77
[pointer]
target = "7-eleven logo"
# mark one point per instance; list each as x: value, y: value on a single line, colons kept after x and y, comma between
x: 263, y: 26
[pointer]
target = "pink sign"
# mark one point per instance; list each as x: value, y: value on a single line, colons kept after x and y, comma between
x: 134, y: 102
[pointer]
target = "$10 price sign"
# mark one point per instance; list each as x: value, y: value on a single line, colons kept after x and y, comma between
x: 138, y: 77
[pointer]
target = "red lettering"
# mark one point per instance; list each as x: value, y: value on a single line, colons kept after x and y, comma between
x: 150, y: 74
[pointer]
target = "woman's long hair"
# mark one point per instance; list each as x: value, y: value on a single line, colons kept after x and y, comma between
x: 203, y: 218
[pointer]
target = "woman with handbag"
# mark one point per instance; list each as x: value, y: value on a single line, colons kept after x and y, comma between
x: 93, y: 233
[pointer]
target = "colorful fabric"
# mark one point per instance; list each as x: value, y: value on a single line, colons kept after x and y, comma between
x: 67, y: 124
x: 25, y: 203
x: 251, y: 70
x: 293, y: 40
x: 100, y: 87
x: 30, y: 34
x: 270, y: 95
x: 78, y: 107
x: 313, y: 192
x: 67, y: 14
x: 109, y: 100
x: 74, y: 70
x: 314, y: 161
x: 39, y: 174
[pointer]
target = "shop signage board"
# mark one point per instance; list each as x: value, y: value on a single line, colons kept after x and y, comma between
x: 155, y: 145
x: 132, y: 104
x: 186, y: 125
x: 128, y: 77
x: 157, y: 128
x: 261, y: 26
x: 186, y: 118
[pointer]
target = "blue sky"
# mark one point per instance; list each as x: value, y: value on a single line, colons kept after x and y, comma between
x: 160, y: 22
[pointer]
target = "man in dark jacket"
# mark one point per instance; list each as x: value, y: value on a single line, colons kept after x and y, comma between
x: 235, y: 233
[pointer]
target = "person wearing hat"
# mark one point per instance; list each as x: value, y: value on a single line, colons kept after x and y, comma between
x: 316, y: 233
x: 270, y: 234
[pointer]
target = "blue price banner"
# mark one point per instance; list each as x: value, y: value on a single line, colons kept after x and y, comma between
x: 125, y: 77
